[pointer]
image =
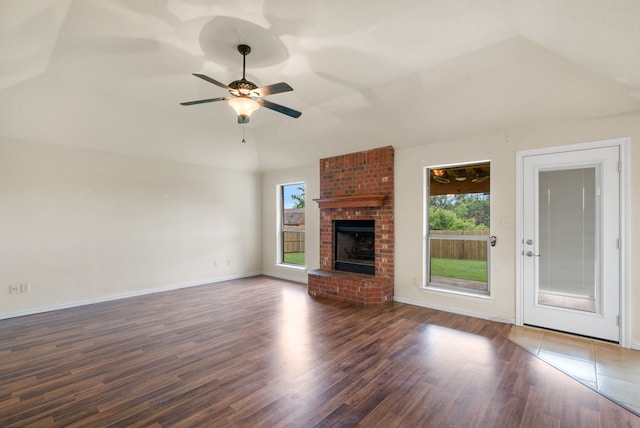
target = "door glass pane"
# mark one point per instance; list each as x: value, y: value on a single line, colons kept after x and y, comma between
x: 567, y: 239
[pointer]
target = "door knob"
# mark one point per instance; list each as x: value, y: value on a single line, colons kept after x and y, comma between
x: 530, y: 254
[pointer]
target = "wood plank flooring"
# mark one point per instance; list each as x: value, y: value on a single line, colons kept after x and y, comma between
x: 260, y: 352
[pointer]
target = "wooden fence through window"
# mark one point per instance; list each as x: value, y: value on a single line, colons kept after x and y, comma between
x: 293, y: 242
x: 459, y: 249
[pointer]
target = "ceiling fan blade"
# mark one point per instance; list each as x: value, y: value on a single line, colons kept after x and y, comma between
x: 277, y: 107
x: 276, y: 88
x: 209, y: 100
x: 210, y: 80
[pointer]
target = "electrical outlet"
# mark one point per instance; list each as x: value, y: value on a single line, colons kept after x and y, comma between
x: 14, y: 289
x: 25, y: 288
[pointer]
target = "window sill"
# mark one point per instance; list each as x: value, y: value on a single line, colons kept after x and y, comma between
x: 291, y: 266
x: 456, y: 292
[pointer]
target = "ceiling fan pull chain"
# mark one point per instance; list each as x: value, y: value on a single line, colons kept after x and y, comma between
x: 243, y: 140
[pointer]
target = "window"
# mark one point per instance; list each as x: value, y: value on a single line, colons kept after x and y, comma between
x: 458, y: 228
x: 292, y: 242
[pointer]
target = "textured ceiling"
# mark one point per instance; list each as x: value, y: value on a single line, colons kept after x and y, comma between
x: 110, y: 74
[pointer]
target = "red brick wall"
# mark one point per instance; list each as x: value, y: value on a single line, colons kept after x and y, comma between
x: 363, y: 173
x: 366, y: 172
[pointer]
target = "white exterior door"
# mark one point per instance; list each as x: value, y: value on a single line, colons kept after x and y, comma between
x: 570, y: 245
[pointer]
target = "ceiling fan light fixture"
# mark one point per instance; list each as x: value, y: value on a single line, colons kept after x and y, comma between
x: 244, y: 106
x: 441, y: 180
x: 461, y: 174
x: 480, y: 175
x: 440, y: 176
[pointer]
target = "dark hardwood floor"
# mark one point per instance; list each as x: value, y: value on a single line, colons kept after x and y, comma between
x: 260, y: 352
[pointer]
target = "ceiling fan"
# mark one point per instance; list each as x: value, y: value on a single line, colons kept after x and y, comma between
x: 246, y: 97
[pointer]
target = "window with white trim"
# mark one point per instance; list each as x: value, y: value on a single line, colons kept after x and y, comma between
x: 457, y: 219
x: 292, y: 224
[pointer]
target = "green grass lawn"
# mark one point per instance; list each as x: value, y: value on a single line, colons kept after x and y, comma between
x: 474, y: 270
x: 294, y: 258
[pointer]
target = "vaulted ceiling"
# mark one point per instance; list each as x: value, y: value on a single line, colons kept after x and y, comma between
x: 110, y: 74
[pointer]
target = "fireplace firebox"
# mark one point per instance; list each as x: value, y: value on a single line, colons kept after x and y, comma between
x: 355, y: 246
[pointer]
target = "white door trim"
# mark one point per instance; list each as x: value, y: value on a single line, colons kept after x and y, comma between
x: 623, y: 145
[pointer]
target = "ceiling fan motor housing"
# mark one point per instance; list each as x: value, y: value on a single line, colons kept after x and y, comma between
x: 242, y: 87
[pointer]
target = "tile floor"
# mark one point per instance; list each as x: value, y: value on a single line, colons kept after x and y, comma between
x: 609, y: 369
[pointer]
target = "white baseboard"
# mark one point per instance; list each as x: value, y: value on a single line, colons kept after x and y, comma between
x: 68, y: 305
x: 453, y: 310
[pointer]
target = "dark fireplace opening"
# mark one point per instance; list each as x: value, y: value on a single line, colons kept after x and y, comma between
x: 355, y: 245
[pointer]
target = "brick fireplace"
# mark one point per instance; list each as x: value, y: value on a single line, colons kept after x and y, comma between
x: 356, y: 187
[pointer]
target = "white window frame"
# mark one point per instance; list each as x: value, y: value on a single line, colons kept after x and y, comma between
x: 280, y: 226
x: 427, y: 285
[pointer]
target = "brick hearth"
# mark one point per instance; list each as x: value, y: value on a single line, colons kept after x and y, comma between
x: 356, y: 186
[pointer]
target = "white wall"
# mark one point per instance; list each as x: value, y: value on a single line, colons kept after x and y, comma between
x: 310, y: 175
x: 500, y: 149
x: 82, y: 225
